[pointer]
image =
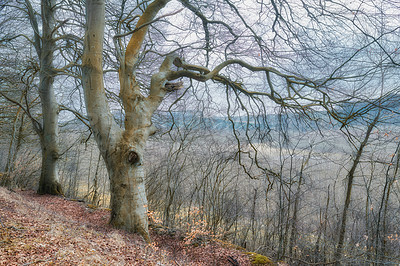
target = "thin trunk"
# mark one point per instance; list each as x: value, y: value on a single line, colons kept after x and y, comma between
x: 287, y: 223
x: 324, y: 226
x: 380, y: 238
x: 282, y: 217
x: 368, y: 216
x: 89, y: 172
x: 6, y: 179
x: 95, y: 198
x: 76, y: 175
x: 12, y: 149
x: 17, y: 146
x: 253, y: 215
x: 293, y: 231
x: 350, y: 176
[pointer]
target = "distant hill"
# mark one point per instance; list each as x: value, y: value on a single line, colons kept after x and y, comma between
x: 388, y: 106
x: 290, y: 121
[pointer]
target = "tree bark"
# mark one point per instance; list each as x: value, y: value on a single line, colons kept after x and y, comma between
x: 122, y: 150
x: 48, y: 183
x: 45, y: 46
x: 350, y: 176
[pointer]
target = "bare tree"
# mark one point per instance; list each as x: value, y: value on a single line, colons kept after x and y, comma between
x: 45, y: 44
x: 301, y: 59
x: 48, y: 131
x: 350, y: 180
x: 123, y: 149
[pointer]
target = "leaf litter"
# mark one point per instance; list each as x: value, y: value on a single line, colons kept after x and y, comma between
x: 51, y: 230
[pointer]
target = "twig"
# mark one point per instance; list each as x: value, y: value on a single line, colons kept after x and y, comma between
x: 78, y: 115
x: 15, y: 228
x: 37, y: 126
x: 233, y: 261
x: 311, y: 263
x: 146, y: 24
x: 34, y: 262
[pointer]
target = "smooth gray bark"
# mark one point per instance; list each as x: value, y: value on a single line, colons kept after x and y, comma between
x: 48, y: 132
x: 122, y: 150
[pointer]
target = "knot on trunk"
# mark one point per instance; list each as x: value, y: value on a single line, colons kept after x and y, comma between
x: 173, y: 86
x: 133, y: 157
x: 178, y: 62
x: 55, y: 155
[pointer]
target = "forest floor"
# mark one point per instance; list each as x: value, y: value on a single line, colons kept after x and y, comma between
x: 50, y: 230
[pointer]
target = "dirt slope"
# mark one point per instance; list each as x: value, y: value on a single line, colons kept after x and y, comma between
x: 49, y: 230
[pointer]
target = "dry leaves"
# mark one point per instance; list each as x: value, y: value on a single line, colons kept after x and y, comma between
x: 50, y: 230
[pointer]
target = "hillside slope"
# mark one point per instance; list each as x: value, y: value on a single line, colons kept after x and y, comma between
x: 50, y: 230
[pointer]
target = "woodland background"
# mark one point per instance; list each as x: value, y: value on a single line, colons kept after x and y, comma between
x: 297, y: 174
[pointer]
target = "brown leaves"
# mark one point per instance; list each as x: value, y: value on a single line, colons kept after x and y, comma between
x: 50, y: 230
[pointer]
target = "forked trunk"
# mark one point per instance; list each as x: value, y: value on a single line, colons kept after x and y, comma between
x: 122, y: 149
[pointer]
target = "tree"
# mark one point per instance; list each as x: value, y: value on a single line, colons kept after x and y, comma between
x: 15, y: 86
x: 47, y: 129
x: 350, y: 180
x: 48, y: 132
x: 45, y: 46
x: 122, y: 149
x: 235, y: 49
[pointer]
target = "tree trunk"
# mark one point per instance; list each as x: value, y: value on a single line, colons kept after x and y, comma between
x: 48, y: 130
x: 6, y: 179
x: 122, y: 150
x: 95, y: 197
x: 381, y: 223
x: 128, y: 195
x: 13, y: 147
x: 350, y: 176
x: 48, y: 183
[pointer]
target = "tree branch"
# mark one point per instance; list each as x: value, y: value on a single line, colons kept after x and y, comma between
x: 78, y: 115
x: 36, y: 125
x: 37, y: 40
x: 291, y: 100
x: 136, y: 41
x: 146, y: 24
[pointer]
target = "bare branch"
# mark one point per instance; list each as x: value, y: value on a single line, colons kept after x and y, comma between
x: 34, y: 23
x: 36, y: 125
x: 146, y: 24
x: 78, y: 115
x: 136, y: 41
